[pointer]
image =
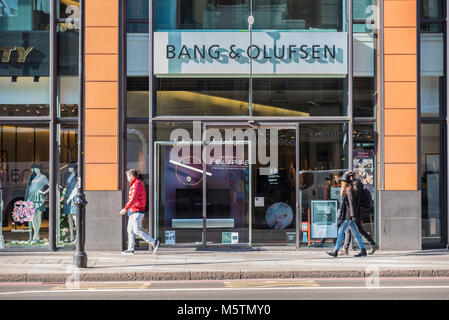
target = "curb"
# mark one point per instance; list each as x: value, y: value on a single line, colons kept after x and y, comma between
x: 211, y: 275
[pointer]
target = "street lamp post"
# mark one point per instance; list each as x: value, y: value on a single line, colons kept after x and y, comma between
x: 80, y: 257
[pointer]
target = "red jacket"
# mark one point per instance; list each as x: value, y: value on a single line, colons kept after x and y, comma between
x: 137, y: 197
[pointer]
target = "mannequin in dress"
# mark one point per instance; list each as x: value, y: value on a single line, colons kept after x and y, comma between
x: 69, y: 207
x: 37, y: 188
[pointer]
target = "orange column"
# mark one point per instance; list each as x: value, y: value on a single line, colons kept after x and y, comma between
x: 400, y: 118
x: 101, y: 88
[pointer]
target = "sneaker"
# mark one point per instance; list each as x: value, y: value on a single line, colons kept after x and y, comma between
x: 128, y: 252
x: 374, y: 248
x: 155, y: 247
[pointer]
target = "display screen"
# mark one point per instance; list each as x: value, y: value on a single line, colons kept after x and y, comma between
x: 189, y: 203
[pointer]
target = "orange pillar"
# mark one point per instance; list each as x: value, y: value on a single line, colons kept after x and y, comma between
x: 101, y: 83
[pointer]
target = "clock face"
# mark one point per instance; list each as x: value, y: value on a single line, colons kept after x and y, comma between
x: 188, y: 171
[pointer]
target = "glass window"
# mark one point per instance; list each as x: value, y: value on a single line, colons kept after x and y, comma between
x: 364, y: 97
x: 68, y: 96
x: 137, y: 9
x: 24, y: 96
x: 431, y: 9
x: 323, y: 151
x: 66, y: 190
x: 364, y: 159
x: 18, y: 15
x: 432, y: 177
x: 137, y: 144
x: 233, y: 14
x: 431, y: 96
x: 24, y: 184
x: 138, y: 101
x: 178, y: 183
x: 202, y: 96
x: 137, y: 16
x: 299, y: 97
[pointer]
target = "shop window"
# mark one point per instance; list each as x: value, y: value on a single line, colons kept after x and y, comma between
x: 309, y: 97
x: 271, y: 97
x: 66, y: 189
x: 137, y: 145
x: 364, y: 97
x: 25, y: 185
x: 364, y: 160
x: 137, y: 97
x: 206, y: 96
x: 309, y: 15
x: 323, y: 151
x: 432, y: 184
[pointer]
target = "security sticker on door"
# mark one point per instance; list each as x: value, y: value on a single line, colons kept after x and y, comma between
x: 259, y: 202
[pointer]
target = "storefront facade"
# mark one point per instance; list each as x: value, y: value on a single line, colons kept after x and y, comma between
x: 241, y: 115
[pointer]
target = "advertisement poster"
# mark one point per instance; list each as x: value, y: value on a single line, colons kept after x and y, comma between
x: 324, y: 219
x: 229, y: 237
x: 363, y: 166
x: 170, y: 237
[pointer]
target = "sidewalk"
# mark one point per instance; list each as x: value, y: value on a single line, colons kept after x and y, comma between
x: 56, y: 267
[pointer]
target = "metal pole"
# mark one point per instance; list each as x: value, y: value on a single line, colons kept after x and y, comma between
x: 350, y: 84
x: 298, y: 192
x: 80, y: 257
x: 53, y: 128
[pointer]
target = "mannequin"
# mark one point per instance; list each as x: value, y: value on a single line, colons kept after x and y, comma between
x: 37, y: 188
x: 69, y: 207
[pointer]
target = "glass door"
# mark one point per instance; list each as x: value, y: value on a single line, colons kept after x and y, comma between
x: 178, y: 192
x: 228, y: 190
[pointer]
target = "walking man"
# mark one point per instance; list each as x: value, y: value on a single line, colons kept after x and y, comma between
x: 135, y: 208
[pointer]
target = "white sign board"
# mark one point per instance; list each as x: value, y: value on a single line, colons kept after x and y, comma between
x: 229, y: 52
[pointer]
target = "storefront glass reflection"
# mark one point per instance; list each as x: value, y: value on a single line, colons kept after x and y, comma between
x: 25, y: 186
x: 323, y: 159
x: 311, y: 15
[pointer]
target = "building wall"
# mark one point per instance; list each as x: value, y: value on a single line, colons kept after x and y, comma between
x: 101, y: 83
x: 400, y: 229
x: 103, y: 223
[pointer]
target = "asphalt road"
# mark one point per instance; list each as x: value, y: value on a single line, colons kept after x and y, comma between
x: 286, y: 289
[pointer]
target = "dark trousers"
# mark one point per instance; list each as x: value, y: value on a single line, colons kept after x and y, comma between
x: 362, y: 231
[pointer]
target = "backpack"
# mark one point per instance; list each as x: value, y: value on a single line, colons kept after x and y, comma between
x: 364, y: 199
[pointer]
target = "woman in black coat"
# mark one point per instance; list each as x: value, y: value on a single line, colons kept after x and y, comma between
x: 348, y: 215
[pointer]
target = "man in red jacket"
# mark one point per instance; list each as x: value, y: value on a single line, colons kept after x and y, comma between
x: 137, y: 199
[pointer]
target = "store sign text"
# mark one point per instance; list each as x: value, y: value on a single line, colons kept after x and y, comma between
x: 266, y: 53
x: 21, y: 51
x: 253, y: 52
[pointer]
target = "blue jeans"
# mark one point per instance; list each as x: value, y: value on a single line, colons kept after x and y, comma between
x: 341, y: 234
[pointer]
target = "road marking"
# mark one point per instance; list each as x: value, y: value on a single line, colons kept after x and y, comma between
x: 224, y: 289
x: 267, y: 284
x: 103, y: 286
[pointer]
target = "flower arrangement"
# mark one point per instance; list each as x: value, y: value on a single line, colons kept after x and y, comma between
x: 23, y: 211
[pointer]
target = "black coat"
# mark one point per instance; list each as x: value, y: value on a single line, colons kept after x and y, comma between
x: 348, y: 206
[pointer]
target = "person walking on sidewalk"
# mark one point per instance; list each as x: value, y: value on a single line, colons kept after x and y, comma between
x: 348, y: 213
x: 135, y: 207
x: 348, y: 235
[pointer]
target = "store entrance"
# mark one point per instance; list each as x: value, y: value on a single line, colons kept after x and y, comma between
x: 257, y: 184
x: 270, y: 189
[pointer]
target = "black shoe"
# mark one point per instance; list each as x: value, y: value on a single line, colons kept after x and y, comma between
x: 374, y: 248
x: 128, y: 252
x: 333, y: 253
x: 362, y: 253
